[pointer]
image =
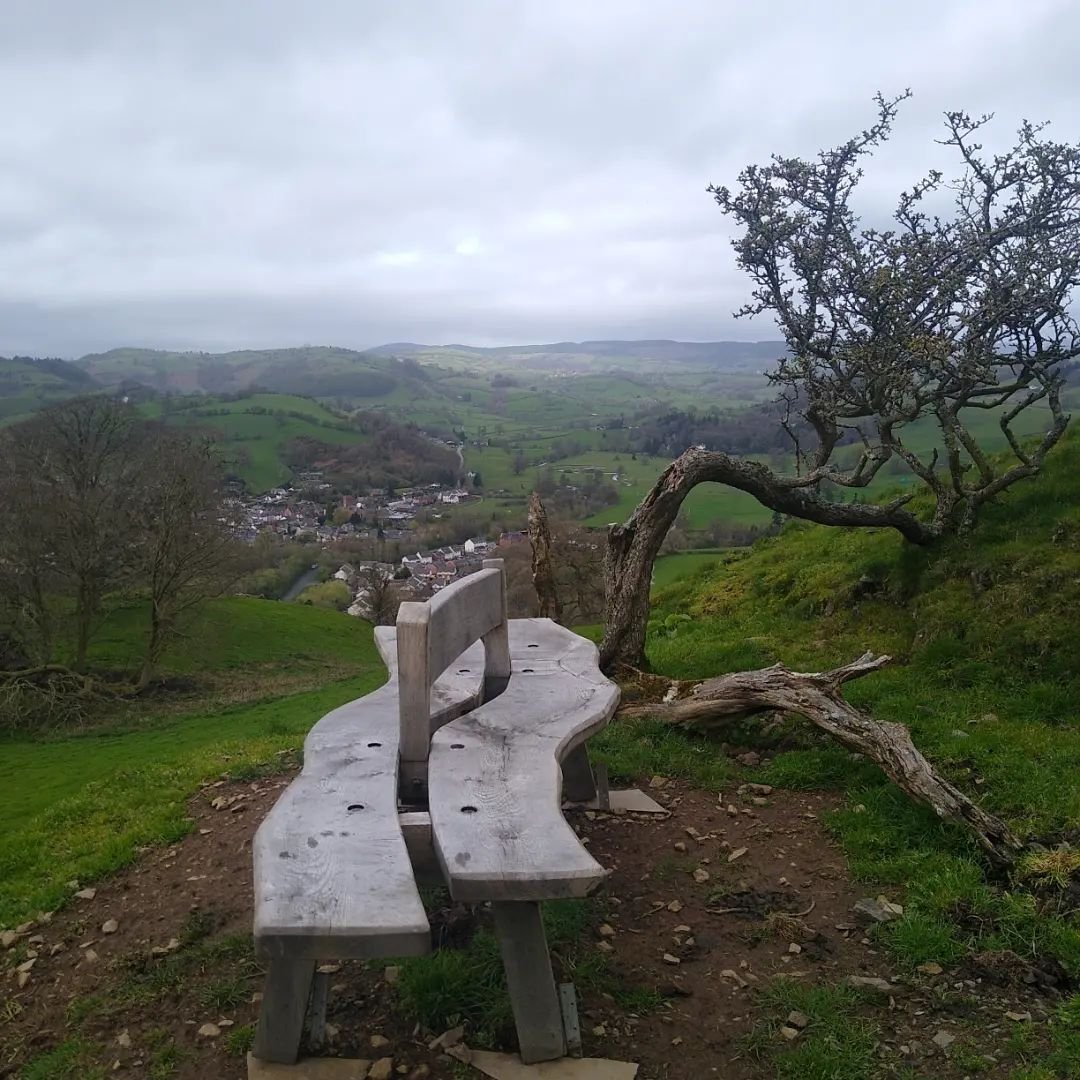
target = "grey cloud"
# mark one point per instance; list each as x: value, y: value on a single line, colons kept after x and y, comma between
x: 215, y: 175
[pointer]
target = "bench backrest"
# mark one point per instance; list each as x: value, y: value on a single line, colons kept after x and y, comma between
x: 430, y: 636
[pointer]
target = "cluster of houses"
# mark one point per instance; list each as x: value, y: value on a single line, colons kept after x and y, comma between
x: 387, y: 515
x: 428, y: 571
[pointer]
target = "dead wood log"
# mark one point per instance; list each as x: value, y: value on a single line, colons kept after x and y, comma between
x: 816, y: 695
x: 543, y: 570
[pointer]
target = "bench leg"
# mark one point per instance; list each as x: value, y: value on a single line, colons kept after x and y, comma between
x: 284, y: 1006
x: 535, y: 1001
x: 579, y: 784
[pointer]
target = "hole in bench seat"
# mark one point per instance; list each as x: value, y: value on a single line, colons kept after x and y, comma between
x: 457, y: 746
x: 532, y: 646
x: 355, y: 806
x: 463, y: 671
x: 468, y: 809
x: 374, y: 744
x: 526, y: 670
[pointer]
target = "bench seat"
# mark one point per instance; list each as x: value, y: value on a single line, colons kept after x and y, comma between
x: 494, y: 784
x: 333, y: 876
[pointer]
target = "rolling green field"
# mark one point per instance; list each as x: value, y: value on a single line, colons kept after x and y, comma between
x: 672, y: 568
x: 79, y: 806
x: 255, y: 442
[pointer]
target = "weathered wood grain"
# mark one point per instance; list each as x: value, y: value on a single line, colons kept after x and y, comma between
x: 494, y: 774
x: 335, y: 882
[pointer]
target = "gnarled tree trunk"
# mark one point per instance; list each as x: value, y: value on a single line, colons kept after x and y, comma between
x: 543, y: 570
x: 817, y: 696
x: 633, y: 546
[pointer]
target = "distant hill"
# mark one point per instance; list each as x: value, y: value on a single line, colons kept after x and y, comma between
x: 27, y: 383
x: 319, y: 371
x: 597, y: 355
x: 327, y: 371
x: 266, y: 438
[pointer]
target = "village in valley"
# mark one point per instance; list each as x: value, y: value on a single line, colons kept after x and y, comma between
x: 382, y: 524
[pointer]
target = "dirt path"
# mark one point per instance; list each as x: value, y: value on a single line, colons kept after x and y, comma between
x: 709, y: 905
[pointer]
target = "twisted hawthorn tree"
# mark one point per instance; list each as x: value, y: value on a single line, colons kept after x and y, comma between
x: 940, y: 317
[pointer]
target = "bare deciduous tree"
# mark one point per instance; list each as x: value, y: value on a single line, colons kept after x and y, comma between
x: 939, y: 318
x: 184, y: 549
x: 379, y: 594
x: 72, y: 471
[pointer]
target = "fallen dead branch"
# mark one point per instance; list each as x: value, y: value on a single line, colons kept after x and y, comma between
x: 817, y: 696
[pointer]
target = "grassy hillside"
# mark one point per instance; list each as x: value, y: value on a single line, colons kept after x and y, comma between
x: 254, y: 431
x: 80, y: 806
x: 28, y: 384
x: 985, y: 638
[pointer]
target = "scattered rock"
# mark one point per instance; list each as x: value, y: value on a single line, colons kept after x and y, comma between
x: 943, y: 1040
x: 209, y: 1031
x: 110, y: 926
x: 930, y: 969
x: 669, y: 959
x: 1018, y: 1017
x: 738, y: 853
x: 22, y: 978
x: 379, y: 1042
x: 798, y: 1020
x: 606, y: 930
x: 331, y: 1031
x: 679, y: 845
x: 605, y: 946
x: 751, y: 758
x: 865, y: 982
x: 392, y: 974
x: 701, y: 875
x: 794, y: 948
x: 26, y: 965
x: 421, y: 1072
x: 124, y: 1039
x: 789, y: 1033
x: 86, y: 894
x: 675, y: 906
x: 448, y: 1038
x: 383, y: 1069
x: 89, y: 956
x: 599, y: 1031
x: 879, y: 910
x: 8, y: 939
x: 682, y: 928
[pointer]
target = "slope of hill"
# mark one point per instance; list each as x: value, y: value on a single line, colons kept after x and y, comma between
x: 28, y: 383
x: 320, y: 371
x: 266, y: 437
x: 984, y: 635
x: 597, y: 355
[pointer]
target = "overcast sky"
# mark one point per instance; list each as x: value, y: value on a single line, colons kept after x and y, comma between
x: 230, y: 174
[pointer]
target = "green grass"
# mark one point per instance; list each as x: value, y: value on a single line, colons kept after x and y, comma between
x: 984, y: 634
x: 837, y: 1044
x: 467, y: 985
x: 670, y: 568
x: 256, y: 441
x: 80, y: 806
x: 71, y: 1060
x: 236, y: 631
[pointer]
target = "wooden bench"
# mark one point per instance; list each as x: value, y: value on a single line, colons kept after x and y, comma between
x: 453, y: 771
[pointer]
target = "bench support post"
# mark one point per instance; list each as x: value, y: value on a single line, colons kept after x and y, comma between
x: 284, y: 1006
x: 535, y: 1001
x: 579, y: 784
